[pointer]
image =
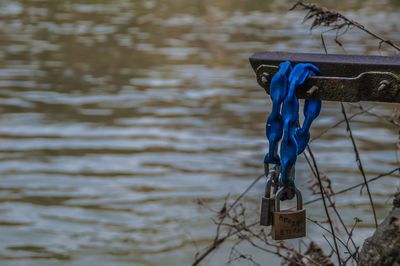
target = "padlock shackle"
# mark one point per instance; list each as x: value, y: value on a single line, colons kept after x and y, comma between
x: 275, y: 173
x: 266, y: 169
x: 267, y: 192
x: 272, y: 179
x: 280, y: 193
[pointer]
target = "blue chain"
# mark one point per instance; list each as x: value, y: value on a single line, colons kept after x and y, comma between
x: 274, y: 126
x: 284, y: 117
x: 311, y: 111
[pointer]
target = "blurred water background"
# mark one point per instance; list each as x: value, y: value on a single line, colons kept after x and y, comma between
x: 116, y: 116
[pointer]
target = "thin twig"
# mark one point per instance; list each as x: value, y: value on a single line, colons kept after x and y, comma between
x: 356, y: 186
x: 325, y: 205
x: 359, y: 163
x: 245, y: 192
x: 329, y: 243
x: 333, y: 205
x: 363, y: 111
x: 217, y: 240
x: 323, y: 43
x: 390, y: 120
x: 210, y: 249
x: 325, y: 229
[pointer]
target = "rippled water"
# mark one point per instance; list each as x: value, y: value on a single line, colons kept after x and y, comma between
x: 117, y: 116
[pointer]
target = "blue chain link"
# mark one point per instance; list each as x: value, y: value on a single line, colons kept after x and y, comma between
x: 274, y: 126
x: 284, y: 117
x: 290, y: 147
x: 311, y: 111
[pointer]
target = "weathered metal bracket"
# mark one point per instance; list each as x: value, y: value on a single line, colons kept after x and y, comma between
x: 346, y: 78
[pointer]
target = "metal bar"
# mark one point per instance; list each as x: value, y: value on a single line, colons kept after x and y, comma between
x: 347, y: 78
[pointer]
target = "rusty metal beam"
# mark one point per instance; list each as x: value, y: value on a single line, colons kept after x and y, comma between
x: 347, y: 78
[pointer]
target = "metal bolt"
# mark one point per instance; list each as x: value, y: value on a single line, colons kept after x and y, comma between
x: 383, y: 85
x: 312, y: 90
x: 265, y: 78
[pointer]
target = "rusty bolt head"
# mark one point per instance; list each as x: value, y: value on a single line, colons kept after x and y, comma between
x: 265, y: 78
x: 312, y: 90
x: 383, y: 85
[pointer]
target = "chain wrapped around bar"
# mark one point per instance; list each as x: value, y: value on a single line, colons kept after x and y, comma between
x: 283, y: 121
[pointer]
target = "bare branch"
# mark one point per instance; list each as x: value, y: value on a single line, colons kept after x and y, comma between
x: 335, y: 21
x: 359, y: 163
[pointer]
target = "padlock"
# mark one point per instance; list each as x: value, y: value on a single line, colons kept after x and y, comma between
x: 267, y: 205
x: 268, y: 200
x: 288, y: 224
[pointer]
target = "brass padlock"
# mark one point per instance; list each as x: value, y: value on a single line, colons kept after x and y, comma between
x: 267, y: 205
x: 288, y: 224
